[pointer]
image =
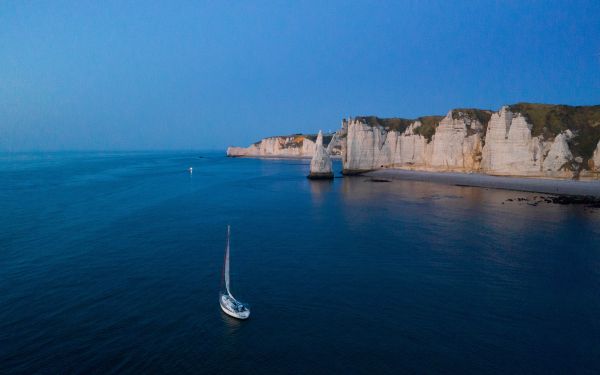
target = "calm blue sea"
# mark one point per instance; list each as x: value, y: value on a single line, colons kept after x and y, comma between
x: 110, y: 263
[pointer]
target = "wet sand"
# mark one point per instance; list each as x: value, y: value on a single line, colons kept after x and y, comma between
x: 535, y: 185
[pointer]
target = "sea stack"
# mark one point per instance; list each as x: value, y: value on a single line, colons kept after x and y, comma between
x: 320, y: 164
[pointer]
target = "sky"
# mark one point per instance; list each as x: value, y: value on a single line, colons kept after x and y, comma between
x: 146, y: 75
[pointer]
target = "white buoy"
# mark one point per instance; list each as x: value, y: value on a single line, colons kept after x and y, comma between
x: 191, y: 170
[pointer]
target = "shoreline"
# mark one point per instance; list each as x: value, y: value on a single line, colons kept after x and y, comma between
x: 334, y: 157
x: 556, y: 186
x: 527, y: 184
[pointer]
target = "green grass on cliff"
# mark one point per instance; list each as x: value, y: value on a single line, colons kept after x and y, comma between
x: 429, y: 123
x: 394, y: 123
x: 549, y: 120
x: 481, y: 115
x: 298, y: 139
x: 326, y: 138
x: 427, y: 129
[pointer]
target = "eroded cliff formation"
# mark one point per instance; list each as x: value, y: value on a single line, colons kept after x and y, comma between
x: 521, y: 140
x: 297, y: 145
x: 595, y: 162
x: 320, y: 164
x: 454, y: 146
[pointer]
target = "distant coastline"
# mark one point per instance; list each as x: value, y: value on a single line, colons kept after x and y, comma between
x: 519, y: 140
x: 275, y: 157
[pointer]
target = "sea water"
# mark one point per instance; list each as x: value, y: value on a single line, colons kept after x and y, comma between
x: 111, y: 263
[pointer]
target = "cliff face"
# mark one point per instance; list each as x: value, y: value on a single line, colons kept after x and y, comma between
x: 469, y: 140
x: 455, y: 145
x: 510, y: 149
x: 595, y: 162
x: 537, y: 140
x: 297, y: 145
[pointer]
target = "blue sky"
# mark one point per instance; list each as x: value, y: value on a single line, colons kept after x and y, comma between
x: 118, y: 75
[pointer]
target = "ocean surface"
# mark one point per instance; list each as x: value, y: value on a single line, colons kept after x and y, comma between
x: 110, y: 263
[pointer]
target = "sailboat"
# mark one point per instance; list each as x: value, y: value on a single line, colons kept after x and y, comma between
x: 229, y: 304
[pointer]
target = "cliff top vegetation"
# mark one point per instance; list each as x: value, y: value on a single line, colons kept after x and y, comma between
x: 549, y: 120
x: 427, y: 128
x: 296, y: 140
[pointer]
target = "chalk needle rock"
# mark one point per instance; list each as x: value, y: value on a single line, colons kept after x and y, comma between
x: 320, y: 164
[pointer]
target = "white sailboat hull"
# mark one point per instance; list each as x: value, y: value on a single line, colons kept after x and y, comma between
x: 228, y: 306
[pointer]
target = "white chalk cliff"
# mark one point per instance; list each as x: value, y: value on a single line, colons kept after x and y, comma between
x: 509, y: 147
x: 320, y: 164
x: 298, y: 145
x: 524, y: 139
x: 596, y: 158
x: 456, y: 146
x: 559, y: 155
x: 462, y: 143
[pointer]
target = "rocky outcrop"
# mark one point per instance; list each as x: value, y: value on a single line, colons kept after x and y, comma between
x: 290, y: 146
x: 335, y: 145
x: 365, y: 146
x: 509, y: 147
x: 503, y: 143
x: 320, y: 164
x: 455, y: 146
x: 297, y: 146
x: 595, y: 161
x: 559, y: 156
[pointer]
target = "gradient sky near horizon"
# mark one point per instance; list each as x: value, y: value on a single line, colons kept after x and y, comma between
x: 119, y: 75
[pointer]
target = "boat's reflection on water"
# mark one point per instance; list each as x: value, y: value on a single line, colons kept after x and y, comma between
x: 232, y: 328
x: 231, y: 325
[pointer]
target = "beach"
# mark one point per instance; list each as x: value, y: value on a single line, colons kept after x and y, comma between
x: 534, y: 185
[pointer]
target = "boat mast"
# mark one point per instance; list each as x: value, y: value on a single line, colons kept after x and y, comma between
x: 226, y: 265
